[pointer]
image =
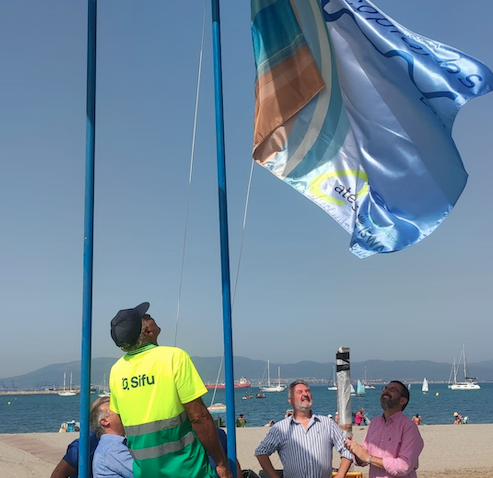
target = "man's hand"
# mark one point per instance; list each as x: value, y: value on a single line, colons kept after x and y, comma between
x: 206, y: 432
x: 224, y: 472
x: 359, y: 451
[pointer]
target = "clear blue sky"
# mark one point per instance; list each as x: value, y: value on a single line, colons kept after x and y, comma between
x: 301, y: 293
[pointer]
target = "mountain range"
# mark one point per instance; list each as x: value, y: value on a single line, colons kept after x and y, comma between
x: 407, y: 371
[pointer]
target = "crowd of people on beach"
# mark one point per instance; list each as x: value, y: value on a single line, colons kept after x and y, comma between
x: 155, y: 423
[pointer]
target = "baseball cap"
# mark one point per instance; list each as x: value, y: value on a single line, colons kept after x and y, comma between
x: 127, y: 325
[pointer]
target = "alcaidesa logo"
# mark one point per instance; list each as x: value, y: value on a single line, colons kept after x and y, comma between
x: 342, y: 195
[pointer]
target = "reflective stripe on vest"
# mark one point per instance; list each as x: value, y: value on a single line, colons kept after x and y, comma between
x: 164, y: 449
x: 157, y: 426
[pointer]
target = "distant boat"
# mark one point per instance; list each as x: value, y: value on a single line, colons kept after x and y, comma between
x: 260, y: 395
x: 247, y: 396
x: 333, y: 380
x: 104, y: 392
x: 469, y: 383
x: 241, y: 383
x: 270, y: 387
x: 365, y: 383
x: 70, y: 392
x: 424, y: 388
x: 360, y: 389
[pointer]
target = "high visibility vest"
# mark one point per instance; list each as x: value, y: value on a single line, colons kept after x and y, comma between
x: 148, y: 387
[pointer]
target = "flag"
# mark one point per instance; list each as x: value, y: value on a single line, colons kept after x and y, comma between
x: 355, y: 112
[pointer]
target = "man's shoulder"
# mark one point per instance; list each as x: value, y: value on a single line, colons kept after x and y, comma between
x: 322, y: 418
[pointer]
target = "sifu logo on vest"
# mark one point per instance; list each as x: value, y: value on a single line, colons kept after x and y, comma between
x: 137, y: 381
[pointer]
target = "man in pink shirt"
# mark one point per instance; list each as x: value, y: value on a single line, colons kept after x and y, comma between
x: 392, y: 443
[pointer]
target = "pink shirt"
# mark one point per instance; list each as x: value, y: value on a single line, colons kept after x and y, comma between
x: 398, y: 442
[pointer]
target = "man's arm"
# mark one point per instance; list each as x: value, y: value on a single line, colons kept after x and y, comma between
x: 207, y: 434
x: 119, y: 461
x: 407, y: 460
x: 267, y: 466
x: 343, y: 467
x: 63, y: 470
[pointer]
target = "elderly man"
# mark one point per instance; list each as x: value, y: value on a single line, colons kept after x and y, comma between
x: 111, y: 458
x: 157, y: 393
x: 69, y: 464
x: 392, y: 443
x: 303, y: 440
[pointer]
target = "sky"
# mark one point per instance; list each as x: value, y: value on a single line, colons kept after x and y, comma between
x: 300, y: 293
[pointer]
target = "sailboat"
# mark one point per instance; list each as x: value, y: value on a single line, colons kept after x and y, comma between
x: 360, y: 389
x: 469, y: 383
x: 424, y: 388
x: 333, y: 380
x: 273, y: 388
x: 70, y: 392
x: 365, y: 384
x: 104, y: 392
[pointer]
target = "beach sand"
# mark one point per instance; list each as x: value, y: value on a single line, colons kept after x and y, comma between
x: 450, y: 451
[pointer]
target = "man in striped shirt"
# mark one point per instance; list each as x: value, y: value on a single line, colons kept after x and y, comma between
x: 304, y: 440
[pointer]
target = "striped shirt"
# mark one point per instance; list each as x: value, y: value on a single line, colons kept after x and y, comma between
x: 305, y: 453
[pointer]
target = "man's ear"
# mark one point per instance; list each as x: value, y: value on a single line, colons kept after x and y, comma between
x: 404, y: 401
x: 104, y: 422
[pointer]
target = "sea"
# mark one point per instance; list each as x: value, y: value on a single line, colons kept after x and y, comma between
x: 45, y: 413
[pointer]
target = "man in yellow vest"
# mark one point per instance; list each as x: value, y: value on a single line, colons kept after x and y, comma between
x: 157, y: 392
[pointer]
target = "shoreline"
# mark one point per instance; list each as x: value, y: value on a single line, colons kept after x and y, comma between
x: 450, y: 451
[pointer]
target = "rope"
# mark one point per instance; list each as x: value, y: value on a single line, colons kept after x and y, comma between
x: 192, y: 155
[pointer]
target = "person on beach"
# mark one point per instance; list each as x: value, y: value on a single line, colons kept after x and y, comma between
x: 417, y: 419
x: 157, y: 392
x: 111, y: 458
x: 304, y: 440
x: 393, y: 442
x: 457, y: 419
x: 241, y: 421
x: 358, y: 420
x: 69, y: 464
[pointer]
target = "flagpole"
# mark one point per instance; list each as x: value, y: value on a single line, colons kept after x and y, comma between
x: 85, y: 381
x: 223, y: 227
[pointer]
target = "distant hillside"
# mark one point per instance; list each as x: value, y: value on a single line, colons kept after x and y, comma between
x: 255, y: 370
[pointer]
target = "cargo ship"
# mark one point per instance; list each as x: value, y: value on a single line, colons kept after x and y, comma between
x: 241, y: 383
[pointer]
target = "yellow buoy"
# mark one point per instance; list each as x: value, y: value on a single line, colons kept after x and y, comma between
x: 437, y: 394
x: 8, y: 403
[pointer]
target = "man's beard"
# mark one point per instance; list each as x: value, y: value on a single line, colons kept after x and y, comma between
x: 389, y: 403
x: 303, y: 406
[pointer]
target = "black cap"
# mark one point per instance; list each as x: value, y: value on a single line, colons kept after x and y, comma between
x: 127, y: 325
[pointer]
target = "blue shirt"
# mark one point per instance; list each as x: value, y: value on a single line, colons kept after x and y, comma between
x: 306, y: 453
x: 72, y: 455
x: 112, y: 458
x: 223, y: 440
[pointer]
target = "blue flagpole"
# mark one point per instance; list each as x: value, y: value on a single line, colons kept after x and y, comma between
x: 223, y: 227
x: 85, y: 381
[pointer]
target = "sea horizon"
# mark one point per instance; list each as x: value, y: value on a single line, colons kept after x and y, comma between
x: 29, y: 413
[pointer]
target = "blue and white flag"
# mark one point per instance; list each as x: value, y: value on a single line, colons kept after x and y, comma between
x: 356, y: 112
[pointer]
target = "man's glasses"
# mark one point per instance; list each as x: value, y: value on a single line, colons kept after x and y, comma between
x: 392, y: 389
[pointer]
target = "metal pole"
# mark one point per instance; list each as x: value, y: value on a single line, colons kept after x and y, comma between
x: 223, y: 228
x: 84, y: 453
